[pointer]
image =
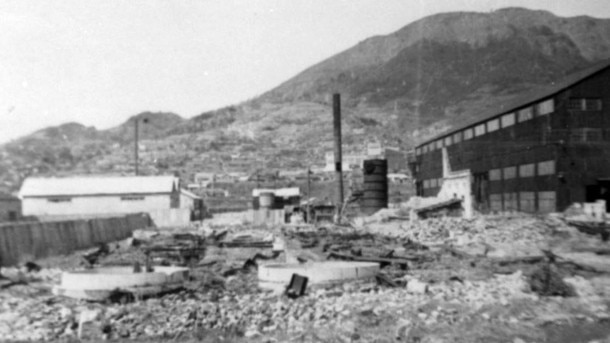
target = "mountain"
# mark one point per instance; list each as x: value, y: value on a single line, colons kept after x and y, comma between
x: 398, y: 88
x: 442, y: 66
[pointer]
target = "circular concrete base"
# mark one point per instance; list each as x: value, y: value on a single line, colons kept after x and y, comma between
x: 277, y: 276
x: 97, y: 283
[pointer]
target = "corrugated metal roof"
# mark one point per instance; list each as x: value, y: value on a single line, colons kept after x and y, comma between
x: 97, y: 185
x: 531, y: 97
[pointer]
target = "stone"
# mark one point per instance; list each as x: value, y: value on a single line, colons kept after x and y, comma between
x: 416, y: 286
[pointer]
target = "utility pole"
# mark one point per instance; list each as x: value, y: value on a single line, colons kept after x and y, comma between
x: 136, y: 144
x: 145, y: 120
x: 308, y: 195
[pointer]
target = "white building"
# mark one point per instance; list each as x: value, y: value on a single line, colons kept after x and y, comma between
x: 104, y: 195
x: 349, y: 161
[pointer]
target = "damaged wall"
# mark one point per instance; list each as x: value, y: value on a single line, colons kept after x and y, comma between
x: 21, y: 242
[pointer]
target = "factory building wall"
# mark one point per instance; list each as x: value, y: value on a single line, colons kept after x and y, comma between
x: 541, y: 157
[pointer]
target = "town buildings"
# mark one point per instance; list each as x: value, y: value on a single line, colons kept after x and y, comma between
x: 540, y: 153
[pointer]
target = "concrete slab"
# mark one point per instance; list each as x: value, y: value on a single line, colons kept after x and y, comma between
x: 276, y: 277
x: 101, y: 283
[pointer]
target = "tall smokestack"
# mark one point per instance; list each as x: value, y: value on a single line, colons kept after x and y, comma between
x: 338, y: 157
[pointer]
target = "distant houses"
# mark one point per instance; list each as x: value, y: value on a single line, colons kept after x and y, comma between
x: 354, y: 159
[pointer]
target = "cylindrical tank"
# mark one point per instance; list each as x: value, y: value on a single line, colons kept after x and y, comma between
x: 267, y: 200
x: 375, y: 187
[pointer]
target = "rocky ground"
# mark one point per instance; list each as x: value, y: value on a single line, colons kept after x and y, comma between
x: 509, y: 278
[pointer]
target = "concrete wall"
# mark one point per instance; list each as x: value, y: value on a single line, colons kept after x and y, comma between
x: 95, y: 204
x: 27, y: 241
x: 186, y: 201
x: 171, y: 217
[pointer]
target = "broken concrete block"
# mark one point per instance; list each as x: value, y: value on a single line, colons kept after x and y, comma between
x: 416, y: 286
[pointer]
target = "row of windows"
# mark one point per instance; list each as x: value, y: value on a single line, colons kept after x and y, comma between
x: 495, y: 124
x: 59, y: 199
x: 66, y: 199
x: 524, y: 201
x: 585, y: 104
x: 433, y: 183
x: 132, y: 198
x: 509, y: 119
x: 525, y: 170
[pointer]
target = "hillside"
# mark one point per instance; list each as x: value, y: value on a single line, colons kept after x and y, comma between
x: 398, y: 88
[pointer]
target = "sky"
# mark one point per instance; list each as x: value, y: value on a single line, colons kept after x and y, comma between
x: 100, y: 62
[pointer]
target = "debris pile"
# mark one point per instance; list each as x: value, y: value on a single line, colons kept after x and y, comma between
x: 440, y: 277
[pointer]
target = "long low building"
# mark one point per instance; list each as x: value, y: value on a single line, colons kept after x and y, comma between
x: 104, y: 195
x: 540, y: 153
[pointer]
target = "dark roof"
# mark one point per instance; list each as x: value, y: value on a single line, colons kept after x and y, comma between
x: 531, y: 97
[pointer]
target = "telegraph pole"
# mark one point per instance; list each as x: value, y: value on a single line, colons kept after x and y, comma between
x: 136, y: 144
x: 308, y: 194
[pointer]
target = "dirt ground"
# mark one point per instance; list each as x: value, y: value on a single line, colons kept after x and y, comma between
x: 495, y: 278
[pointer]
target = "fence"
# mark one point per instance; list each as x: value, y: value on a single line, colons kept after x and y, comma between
x: 23, y: 241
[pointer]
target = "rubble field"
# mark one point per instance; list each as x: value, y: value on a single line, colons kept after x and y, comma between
x: 494, y: 278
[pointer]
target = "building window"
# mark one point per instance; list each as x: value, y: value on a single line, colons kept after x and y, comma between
x: 132, y: 198
x: 457, y: 137
x: 546, y: 168
x: 495, y: 202
x: 431, y: 147
x: 479, y: 130
x: 426, y: 184
x: 495, y: 175
x: 59, y: 199
x: 546, y: 107
x: 439, y: 143
x: 585, y: 104
x: 586, y: 135
x: 433, y: 183
x: 527, y: 201
x: 510, y: 173
x: 508, y: 120
x: 440, y: 182
x: 493, y: 125
x: 547, y: 202
x: 510, y: 201
x: 526, y: 170
x: 525, y: 114
x: 448, y: 141
x: 425, y: 149
x: 468, y: 134
x: 417, y: 151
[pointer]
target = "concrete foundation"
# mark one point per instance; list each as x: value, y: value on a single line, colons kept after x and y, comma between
x: 276, y: 277
x: 102, y: 283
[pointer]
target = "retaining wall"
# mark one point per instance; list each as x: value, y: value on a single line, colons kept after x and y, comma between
x: 27, y: 241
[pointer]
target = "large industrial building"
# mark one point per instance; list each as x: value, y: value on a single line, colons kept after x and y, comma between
x: 539, y: 153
